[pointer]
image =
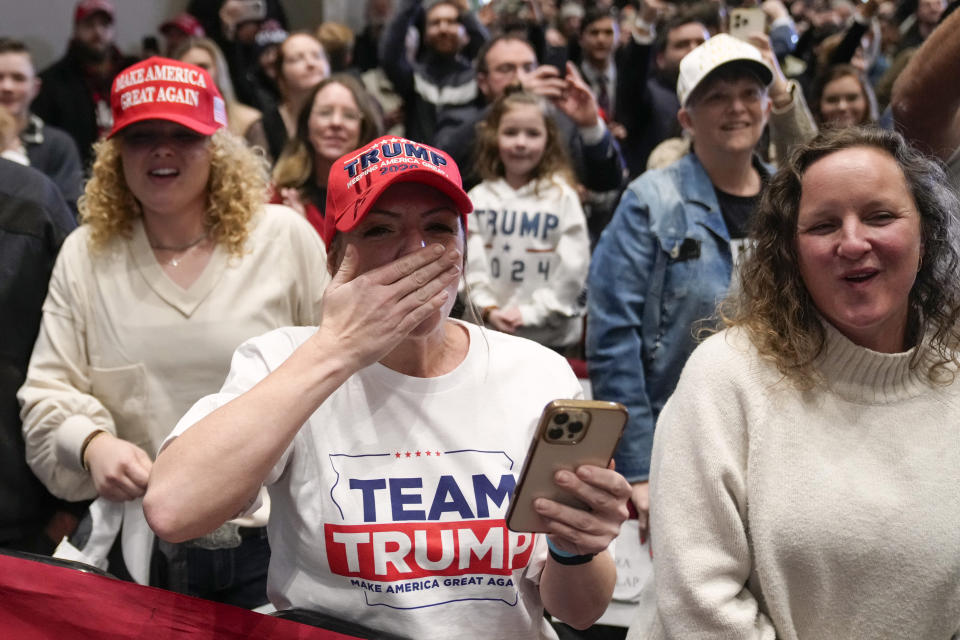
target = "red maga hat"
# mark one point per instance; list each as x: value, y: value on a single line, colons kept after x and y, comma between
x: 186, y: 23
x: 358, y: 178
x: 164, y: 89
x: 86, y: 8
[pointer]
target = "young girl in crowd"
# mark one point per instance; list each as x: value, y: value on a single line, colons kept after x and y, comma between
x: 527, y: 247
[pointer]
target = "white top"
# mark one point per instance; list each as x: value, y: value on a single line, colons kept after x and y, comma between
x: 830, y: 513
x: 388, y: 507
x: 529, y: 248
x: 125, y: 349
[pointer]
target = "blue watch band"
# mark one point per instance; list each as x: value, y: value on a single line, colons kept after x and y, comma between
x: 565, y: 557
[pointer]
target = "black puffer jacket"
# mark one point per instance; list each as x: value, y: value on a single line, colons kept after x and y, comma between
x: 34, y: 220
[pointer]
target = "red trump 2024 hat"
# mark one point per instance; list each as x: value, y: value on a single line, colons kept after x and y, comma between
x: 358, y: 178
x: 164, y: 89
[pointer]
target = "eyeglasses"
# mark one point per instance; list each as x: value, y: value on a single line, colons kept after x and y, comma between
x: 509, y: 68
x: 328, y: 113
x: 723, y: 98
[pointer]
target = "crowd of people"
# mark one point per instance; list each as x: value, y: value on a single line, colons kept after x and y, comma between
x: 289, y: 300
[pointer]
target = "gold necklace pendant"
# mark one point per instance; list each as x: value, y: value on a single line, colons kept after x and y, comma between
x: 183, y: 250
x: 182, y: 247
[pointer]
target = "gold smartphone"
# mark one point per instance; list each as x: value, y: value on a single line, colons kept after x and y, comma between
x: 571, y: 433
x: 744, y: 22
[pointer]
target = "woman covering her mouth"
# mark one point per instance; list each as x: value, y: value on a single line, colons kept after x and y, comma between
x: 390, y: 437
x: 176, y: 263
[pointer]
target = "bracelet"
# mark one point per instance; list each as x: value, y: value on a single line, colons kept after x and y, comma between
x: 86, y: 443
x: 565, y: 557
x: 485, y: 314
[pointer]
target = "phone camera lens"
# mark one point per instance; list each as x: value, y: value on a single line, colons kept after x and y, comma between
x: 555, y: 433
x: 561, y: 418
x: 575, y: 427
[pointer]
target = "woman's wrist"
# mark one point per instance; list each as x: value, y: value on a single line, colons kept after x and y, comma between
x: 567, y: 558
x: 485, y: 313
x: 86, y: 443
x: 782, y: 95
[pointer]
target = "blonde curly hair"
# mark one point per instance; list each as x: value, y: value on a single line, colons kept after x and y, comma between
x: 236, y: 190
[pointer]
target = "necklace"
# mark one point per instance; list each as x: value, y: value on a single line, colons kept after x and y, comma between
x: 181, y: 247
x: 175, y: 261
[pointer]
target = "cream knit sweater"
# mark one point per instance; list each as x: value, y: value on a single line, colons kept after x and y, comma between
x: 124, y: 349
x: 827, y: 514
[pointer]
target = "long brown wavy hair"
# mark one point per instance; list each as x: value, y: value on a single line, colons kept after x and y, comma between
x: 773, y: 304
x: 237, y: 189
x: 870, y: 115
x: 296, y: 165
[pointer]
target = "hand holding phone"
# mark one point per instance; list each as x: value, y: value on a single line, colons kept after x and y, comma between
x: 567, y: 465
x: 744, y: 22
x: 253, y: 10
x: 234, y: 12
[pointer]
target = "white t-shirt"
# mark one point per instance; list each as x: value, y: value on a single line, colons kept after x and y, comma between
x: 388, y: 507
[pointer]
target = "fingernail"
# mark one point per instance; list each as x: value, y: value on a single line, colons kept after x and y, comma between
x: 563, y: 477
x: 438, y: 249
x: 539, y: 505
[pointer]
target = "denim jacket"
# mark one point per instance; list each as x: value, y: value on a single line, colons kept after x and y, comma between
x: 662, y: 264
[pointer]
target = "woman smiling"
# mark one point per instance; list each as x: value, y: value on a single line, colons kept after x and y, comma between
x: 811, y: 452
x: 339, y: 115
x: 176, y: 263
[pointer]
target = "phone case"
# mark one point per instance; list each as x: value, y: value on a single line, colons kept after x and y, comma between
x: 254, y: 10
x: 571, y: 433
x: 744, y: 22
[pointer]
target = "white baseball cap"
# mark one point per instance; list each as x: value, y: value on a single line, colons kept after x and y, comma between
x: 722, y: 49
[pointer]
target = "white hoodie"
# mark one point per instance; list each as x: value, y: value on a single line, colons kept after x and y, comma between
x: 528, y: 248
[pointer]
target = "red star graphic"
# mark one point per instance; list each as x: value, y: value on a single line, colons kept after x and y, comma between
x: 409, y: 454
x: 436, y: 453
x: 398, y: 454
x: 418, y: 454
x: 428, y: 453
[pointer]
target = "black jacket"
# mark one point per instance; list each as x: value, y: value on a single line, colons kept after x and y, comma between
x: 52, y: 152
x: 66, y: 100
x: 433, y: 83
x: 646, y: 106
x: 34, y: 220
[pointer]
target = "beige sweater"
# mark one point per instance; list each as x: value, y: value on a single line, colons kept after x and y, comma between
x: 829, y: 514
x: 123, y: 348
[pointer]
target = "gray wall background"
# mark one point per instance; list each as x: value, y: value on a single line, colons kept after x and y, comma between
x: 45, y: 25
